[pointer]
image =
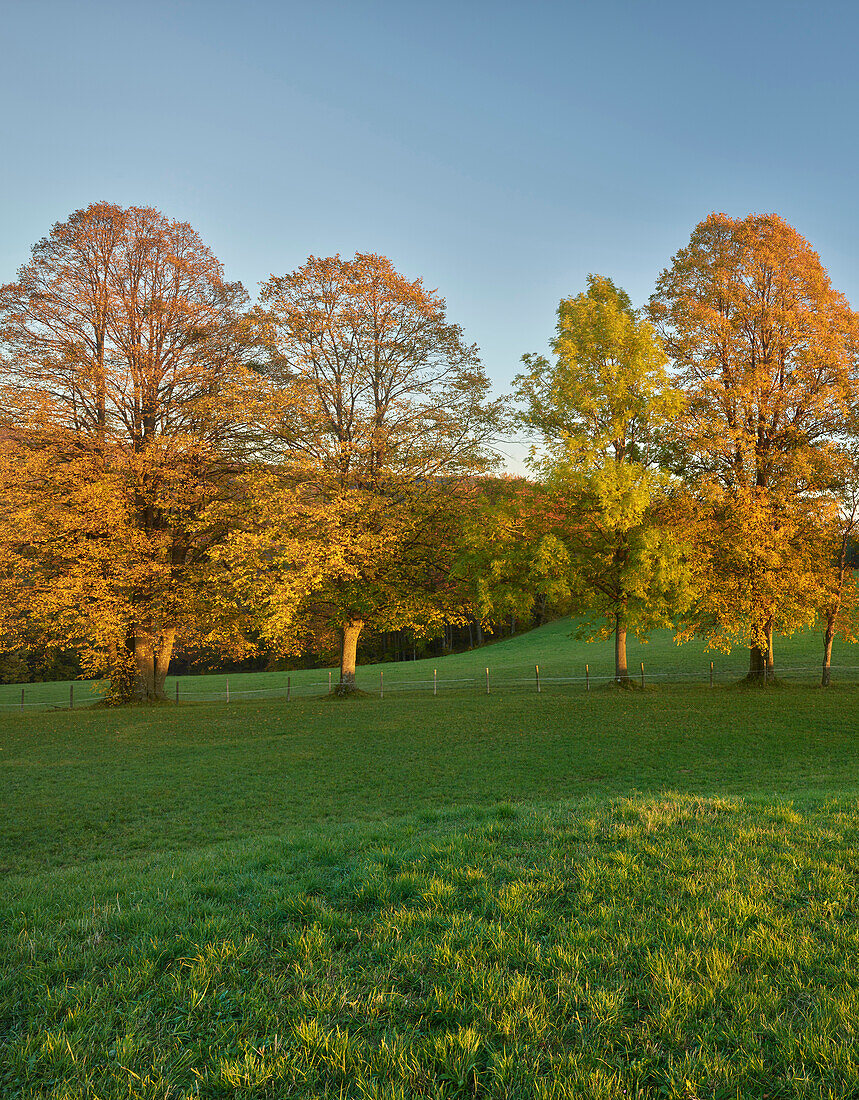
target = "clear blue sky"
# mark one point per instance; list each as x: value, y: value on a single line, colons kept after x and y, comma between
x: 499, y: 150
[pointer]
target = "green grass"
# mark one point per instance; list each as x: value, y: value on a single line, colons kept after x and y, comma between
x: 511, y: 661
x: 102, y: 783
x: 567, y: 895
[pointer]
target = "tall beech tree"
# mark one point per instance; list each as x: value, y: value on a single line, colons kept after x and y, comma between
x: 373, y: 404
x: 597, y: 412
x: 117, y: 338
x: 766, y: 352
x: 841, y: 591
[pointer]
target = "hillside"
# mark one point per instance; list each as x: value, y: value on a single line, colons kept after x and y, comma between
x: 511, y: 661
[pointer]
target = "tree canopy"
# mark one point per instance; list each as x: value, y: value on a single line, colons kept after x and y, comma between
x: 598, y: 411
x: 118, y: 336
x: 766, y: 354
x: 179, y: 468
x: 372, y: 403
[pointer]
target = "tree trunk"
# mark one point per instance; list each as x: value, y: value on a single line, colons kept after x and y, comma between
x: 162, y: 664
x: 151, y: 661
x: 832, y: 612
x: 621, y: 673
x: 761, y: 659
x: 828, y: 635
x: 143, y: 689
x: 770, y: 657
x: 757, y: 663
x: 348, y: 656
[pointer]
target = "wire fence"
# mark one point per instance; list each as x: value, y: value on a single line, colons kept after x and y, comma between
x: 388, y: 681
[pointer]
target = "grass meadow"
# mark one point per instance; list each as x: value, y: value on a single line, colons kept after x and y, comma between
x: 605, y: 894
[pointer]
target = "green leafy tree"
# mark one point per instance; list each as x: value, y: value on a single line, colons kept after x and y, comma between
x: 598, y: 412
x: 508, y: 563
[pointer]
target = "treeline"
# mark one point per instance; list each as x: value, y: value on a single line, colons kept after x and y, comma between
x: 187, y: 474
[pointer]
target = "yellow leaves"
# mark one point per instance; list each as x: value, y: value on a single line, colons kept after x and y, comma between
x: 600, y: 410
x: 373, y: 408
x: 608, y: 393
x: 121, y: 337
x: 98, y: 543
x: 757, y: 562
x: 298, y: 550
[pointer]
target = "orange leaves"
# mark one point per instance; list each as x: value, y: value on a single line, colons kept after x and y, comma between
x: 167, y: 488
x: 366, y: 380
x: 766, y: 353
x: 765, y: 346
x: 120, y: 325
x: 119, y: 336
x: 374, y: 408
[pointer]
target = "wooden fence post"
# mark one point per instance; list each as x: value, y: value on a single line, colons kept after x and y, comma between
x: 177, y: 689
x: 381, y: 683
x: 71, y: 696
x: 537, y: 674
x: 228, y: 689
x: 711, y: 674
x: 487, y: 681
x: 435, y: 681
x: 22, y: 698
x: 587, y: 678
x: 642, y: 673
x: 329, y: 681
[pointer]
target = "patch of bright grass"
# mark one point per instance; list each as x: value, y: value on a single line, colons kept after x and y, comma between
x: 666, y: 946
x: 452, y: 897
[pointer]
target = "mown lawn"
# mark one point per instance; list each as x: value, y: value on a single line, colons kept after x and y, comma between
x: 614, y: 895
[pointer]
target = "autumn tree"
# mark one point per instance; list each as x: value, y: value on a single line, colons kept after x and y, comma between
x: 597, y: 412
x: 371, y: 404
x: 293, y: 548
x: 765, y: 350
x: 752, y: 551
x: 840, y: 606
x: 117, y: 338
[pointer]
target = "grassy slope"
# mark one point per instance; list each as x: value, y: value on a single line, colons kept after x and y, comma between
x: 101, y: 783
x: 434, y: 897
x: 551, y: 647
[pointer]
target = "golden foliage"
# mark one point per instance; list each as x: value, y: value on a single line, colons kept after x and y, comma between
x: 766, y: 352
x: 600, y: 411
x: 374, y: 411
x: 118, y: 336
